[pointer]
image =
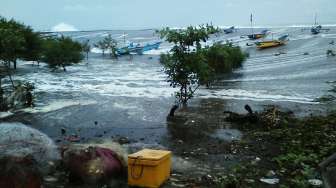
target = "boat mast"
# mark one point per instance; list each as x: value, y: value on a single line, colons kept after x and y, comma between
x: 124, y: 39
x: 315, y: 19
x: 251, y: 20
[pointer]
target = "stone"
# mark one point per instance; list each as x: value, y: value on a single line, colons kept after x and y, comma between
x: 270, y: 174
x: 123, y: 140
x: 63, y: 131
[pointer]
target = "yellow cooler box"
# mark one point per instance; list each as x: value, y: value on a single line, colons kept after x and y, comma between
x: 149, y: 168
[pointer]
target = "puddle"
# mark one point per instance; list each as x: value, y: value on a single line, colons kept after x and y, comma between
x: 227, y: 134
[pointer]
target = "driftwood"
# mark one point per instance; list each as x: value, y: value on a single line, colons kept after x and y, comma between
x: 251, y: 117
x: 270, y: 117
x: 172, y: 111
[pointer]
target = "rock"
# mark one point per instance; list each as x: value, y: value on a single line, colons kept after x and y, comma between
x: 306, y: 53
x: 123, y: 140
x: 315, y: 182
x: 270, y: 174
x: 93, y: 165
x: 63, y: 131
x: 271, y: 181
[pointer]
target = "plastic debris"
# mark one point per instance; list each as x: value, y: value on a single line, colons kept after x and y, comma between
x: 315, y: 182
x: 271, y: 181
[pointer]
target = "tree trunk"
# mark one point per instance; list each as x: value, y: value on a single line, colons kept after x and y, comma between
x: 87, y: 56
x: 10, y: 78
x: 14, y: 64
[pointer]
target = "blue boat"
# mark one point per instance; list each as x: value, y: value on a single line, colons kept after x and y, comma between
x: 256, y: 36
x: 148, y: 47
x: 131, y: 48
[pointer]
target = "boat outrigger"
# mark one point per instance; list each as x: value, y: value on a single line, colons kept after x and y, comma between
x: 272, y: 43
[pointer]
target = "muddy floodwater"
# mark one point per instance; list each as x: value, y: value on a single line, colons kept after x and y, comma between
x: 103, y: 98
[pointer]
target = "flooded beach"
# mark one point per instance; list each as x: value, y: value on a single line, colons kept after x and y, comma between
x: 129, y: 99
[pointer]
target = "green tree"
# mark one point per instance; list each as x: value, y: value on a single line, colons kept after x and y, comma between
x: 223, y: 58
x: 190, y: 65
x: 33, y: 45
x: 18, y: 41
x: 185, y: 65
x: 108, y: 44
x: 101, y: 45
x: 61, y: 52
x: 12, y: 41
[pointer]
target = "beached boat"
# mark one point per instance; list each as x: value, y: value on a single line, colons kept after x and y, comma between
x: 255, y: 36
x: 272, y: 43
x: 148, y: 47
x: 316, y: 29
x: 229, y: 30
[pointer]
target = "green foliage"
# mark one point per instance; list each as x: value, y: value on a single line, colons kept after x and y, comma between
x: 108, y: 44
x: 188, y: 65
x: 33, y: 45
x: 223, y: 58
x: 18, y: 41
x: 12, y: 41
x: 61, y: 52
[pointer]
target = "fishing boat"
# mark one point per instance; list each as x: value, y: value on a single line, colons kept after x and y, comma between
x: 147, y: 47
x: 229, y: 30
x: 255, y: 36
x: 138, y: 49
x: 316, y: 29
x: 272, y: 43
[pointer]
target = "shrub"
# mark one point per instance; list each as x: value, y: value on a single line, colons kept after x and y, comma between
x: 61, y: 52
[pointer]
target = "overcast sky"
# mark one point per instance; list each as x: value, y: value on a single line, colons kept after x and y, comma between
x: 140, y: 14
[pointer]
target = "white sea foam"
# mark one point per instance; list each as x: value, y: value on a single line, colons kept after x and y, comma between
x: 5, y: 114
x: 332, y: 36
x: 96, y: 50
x: 57, y: 105
x: 257, y: 95
x: 158, y: 51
